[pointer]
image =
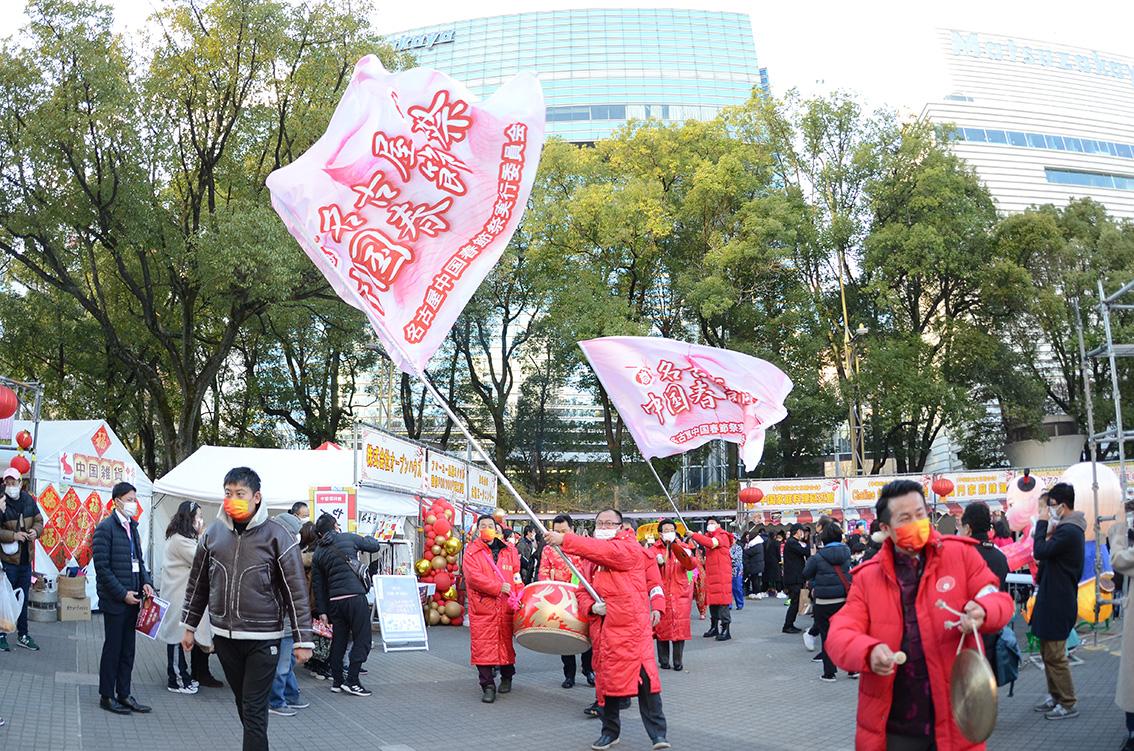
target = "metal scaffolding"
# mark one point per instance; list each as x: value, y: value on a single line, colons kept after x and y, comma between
x: 1115, y: 434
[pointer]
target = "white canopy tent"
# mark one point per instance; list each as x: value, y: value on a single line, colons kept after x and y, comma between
x: 286, y: 476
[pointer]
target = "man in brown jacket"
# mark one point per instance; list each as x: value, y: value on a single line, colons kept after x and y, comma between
x: 249, y: 574
x: 21, y: 524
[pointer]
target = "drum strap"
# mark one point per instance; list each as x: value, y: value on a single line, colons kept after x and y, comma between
x: 514, y: 595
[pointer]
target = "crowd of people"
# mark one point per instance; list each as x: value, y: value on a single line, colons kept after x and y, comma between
x: 891, y: 604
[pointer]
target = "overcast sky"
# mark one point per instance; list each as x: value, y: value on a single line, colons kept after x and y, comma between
x: 884, y: 49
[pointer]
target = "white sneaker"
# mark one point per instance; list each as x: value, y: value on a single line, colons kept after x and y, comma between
x: 809, y: 641
x: 781, y: 595
x: 753, y: 597
x: 762, y: 595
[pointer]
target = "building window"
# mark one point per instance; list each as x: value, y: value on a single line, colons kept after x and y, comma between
x: 1044, y: 141
x: 1089, y: 179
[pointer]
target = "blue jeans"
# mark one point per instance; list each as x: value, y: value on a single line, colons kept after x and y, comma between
x: 285, y: 689
x: 738, y: 591
x: 20, y: 579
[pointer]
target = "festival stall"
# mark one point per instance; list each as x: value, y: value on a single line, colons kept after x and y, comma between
x: 74, y: 464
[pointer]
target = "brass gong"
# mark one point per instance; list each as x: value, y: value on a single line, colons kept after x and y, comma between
x: 972, y: 694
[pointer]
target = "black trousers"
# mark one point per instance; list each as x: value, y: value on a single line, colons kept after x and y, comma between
x: 484, y: 674
x: 793, y: 591
x: 350, y: 621
x: 905, y: 743
x: 250, y: 667
x: 569, y: 664
x: 823, y: 615
x: 117, y: 663
x: 720, y: 614
x: 753, y: 584
x: 649, y: 706
x: 176, y: 669
x: 198, y: 663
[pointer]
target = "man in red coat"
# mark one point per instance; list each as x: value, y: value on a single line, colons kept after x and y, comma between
x: 718, y: 577
x: 675, y: 562
x: 492, y: 571
x: 553, y: 567
x: 624, y: 657
x: 893, y: 605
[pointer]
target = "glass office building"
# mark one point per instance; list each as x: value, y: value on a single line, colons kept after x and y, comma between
x: 602, y: 67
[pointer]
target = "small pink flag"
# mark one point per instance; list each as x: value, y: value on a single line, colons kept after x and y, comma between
x: 408, y: 200
x: 675, y: 396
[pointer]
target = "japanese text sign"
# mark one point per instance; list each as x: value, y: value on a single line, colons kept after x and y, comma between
x: 675, y: 396
x: 379, y: 526
x: 822, y: 492
x: 410, y: 197
x: 391, y: 462
x: 338, y: 502
x: 447, y: 477
x: 482, y: 487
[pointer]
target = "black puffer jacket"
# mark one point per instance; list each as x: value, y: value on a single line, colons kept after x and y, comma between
x: 795, y: 556
x: 113, y: 563
x: 331, y: 575
x: 820, y: 570
x: 754, y: 558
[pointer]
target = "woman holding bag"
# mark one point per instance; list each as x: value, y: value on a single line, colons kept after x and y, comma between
x: 180, y: 547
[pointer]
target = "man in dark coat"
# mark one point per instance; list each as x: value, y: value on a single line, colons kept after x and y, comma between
x: 754, y: 565
x: 1059, y: 548
x: 21, y: 524
x: 121, y: 580
x: 795, y: 557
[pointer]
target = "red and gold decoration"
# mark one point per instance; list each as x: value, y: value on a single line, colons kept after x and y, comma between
x: 69, y: 524
x: 751, y: 495
x: 439, y: 563
x: 21, y: 464
x: 548, y: 619
x: 24, y: 440
x: 942, y: 487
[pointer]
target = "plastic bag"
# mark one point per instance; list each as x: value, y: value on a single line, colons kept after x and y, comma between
x: 11, y: 603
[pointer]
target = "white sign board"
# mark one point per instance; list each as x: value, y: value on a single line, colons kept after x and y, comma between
x: 399, y: 613
x: 446, y: 477
x: 392, y: 463
x: 482, y: 487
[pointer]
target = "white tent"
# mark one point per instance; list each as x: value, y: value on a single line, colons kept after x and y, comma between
x: 84, y: 456
x: 286, y: 476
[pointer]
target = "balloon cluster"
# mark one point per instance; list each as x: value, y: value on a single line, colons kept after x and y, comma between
x: 438, y: 564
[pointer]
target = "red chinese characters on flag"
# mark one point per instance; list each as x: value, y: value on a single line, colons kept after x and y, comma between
x: 675, y: 396
x: 410, y: 197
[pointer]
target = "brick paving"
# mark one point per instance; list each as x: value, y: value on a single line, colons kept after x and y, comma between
x: 759, y: 691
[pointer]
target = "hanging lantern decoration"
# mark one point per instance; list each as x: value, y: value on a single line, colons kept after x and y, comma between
x: 8, y: 402
x: 24, y: 440
x: 751, y: 495
x: 20, y: 463
x: 942, y: 487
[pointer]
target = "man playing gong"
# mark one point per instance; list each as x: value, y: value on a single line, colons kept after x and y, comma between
x: 624, y: 653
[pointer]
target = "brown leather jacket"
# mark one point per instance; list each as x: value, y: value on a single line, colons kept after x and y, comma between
x: 13, y: 521
x: 252, y: 583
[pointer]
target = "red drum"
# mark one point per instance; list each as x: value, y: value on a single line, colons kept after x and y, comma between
x: 548, y: 620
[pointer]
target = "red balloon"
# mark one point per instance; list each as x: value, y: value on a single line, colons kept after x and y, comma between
x: 427, y: 555
x: 459, y: 620
x: 442, y: 526
x: 24, y: 440
x: 20, y: 464
x: 9, y: 402
x: 443, y: 581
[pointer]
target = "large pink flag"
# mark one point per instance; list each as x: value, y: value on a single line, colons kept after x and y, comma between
x: 675, y: 396
x: 410, y: 197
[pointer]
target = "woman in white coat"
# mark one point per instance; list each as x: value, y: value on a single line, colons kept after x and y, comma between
x: 1122, y: 560
x: 180, y: 547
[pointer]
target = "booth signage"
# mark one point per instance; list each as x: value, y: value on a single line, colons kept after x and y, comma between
x: 447, y: 477
x: 482, y: 487
x: 823, y: 492
x: 399, y: 613
x: 338, y: 502
x: 391, y: 462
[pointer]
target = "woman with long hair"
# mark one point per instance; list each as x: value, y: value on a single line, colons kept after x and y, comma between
x: 180, y: 548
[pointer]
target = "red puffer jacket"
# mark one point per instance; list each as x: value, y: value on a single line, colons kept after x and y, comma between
x: 553, y: 567
x: 718, y: 566
x: 490, y: 618
x: 623, y: 645
x: 676, y: 564
x: 954, y: 572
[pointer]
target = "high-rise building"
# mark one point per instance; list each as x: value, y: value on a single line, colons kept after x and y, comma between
x: 1041, y: 122
x: 602, y: 67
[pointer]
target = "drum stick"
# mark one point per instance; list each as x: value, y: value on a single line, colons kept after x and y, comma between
x: 899, y: 658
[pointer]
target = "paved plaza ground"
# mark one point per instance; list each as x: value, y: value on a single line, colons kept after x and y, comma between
x: 759, y: 691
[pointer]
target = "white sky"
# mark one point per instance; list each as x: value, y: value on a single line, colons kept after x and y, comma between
x: 884, y: 49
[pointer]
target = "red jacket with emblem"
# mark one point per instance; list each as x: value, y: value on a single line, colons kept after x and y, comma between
x: 623, y: 643
x: 552, y: 566
x: 490, y: 617
x: 677, y: 562
x: 954, y: 572
x: 718, y: 566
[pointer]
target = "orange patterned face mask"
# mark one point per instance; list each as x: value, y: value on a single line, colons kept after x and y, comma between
x: 240, y: 509
x: 914, y: 535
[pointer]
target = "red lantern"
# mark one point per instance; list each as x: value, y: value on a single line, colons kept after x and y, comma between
x: 24, y: 440
x: 20, y: 464
x: 942, y: 486
x: 8, y: 402
x: 751, y: 494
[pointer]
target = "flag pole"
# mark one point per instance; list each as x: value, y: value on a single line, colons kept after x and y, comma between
x: 491, y: 464
x: 668, y: 497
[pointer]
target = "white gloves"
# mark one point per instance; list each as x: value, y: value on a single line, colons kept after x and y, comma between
x: 599, y: 608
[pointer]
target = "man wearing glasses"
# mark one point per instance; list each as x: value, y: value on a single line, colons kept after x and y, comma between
x: 623, y: 650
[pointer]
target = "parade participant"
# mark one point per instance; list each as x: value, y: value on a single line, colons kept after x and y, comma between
x: 553, y: 567
x: 624, y: 656
x: 676, y: 562
x: 796, y: 554
x: 1060, y: 552
x: 492, y: 572
x: 718, y: 575
x: 893, y: 606
x: 121, y: 579
x: 21, y: 524
x: 248, y: 621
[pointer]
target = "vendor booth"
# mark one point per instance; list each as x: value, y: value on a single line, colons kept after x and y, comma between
x: 76, y: 463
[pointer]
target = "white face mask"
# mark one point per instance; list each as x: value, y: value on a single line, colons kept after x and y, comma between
x: 1054, y: 512
x: 130, y: 508
x: 12, y: 491
x: 712, y: 528
x: 606, y: 533
x: 669, y: 536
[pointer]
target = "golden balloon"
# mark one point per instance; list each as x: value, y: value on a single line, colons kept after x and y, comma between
x: 433, y: 617
x: 438, y: 563
x: 452, y: 546
x: 436, y: 549
x: 422, y: 567
x: 454, y: 609
x: 450, y: 559
x: 449, y: 514
x: 430, y: 519
x: 450, y: 593
x: 445, y: 620
x: 440, y: 539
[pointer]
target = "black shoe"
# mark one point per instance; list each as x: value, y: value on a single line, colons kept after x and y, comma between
x: 711, y: 632
x: 489, y: 695
x: 113, y: 705
x: 604, y: 742
x: 505, y: 685
x: 1129, y: 745
x: 624, y: 703
x: 725, y: 634
x: 209, y: 681
x: 792, y: 630
x: 568, y: 683
x: 678, y: 655
x: 590, y: 679
x: 817, y: 658
x: 132, y: 704
x: 593, y: 710
x: 355, y: 689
